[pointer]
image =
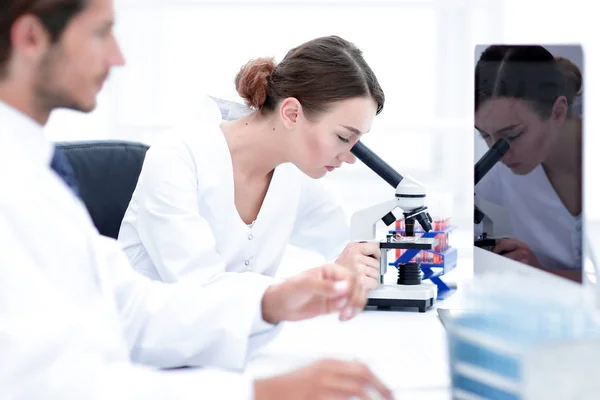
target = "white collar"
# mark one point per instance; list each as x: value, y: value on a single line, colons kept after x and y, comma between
x: 19, y: 132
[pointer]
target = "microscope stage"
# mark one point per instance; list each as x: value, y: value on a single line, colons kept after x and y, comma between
x: 393, y: 295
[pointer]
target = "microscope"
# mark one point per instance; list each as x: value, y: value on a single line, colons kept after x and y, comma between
x: 493, y: 218
x: 409, y: 199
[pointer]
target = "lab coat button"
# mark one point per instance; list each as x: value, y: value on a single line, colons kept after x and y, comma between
x: 250, y: 237
x: 247, y: 262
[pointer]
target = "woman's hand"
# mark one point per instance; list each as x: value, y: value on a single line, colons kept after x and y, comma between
x: 516, y: 250
x: 317, y: 291
x: 362, y: 258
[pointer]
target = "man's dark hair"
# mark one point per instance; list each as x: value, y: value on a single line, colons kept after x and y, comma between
x: 53, y: 14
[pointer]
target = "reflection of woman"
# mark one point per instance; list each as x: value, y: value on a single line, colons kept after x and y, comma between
x: 525, y: 96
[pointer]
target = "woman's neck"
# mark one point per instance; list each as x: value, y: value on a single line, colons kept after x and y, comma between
x: 565, y: 156
x: 257, y: 145
x: 563, y: 167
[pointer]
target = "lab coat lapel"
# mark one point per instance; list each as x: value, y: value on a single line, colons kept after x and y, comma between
x: 280, y: 206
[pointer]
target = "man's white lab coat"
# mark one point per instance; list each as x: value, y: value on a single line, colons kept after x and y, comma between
x: 76, y: 321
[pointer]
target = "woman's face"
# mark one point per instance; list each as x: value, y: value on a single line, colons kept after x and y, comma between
x: 531, y: 137
x: 323, y: 145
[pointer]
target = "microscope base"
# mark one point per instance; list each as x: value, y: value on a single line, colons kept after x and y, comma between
x: 392, y: 296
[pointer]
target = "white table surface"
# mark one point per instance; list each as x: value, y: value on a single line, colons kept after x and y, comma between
x: 405, y: 349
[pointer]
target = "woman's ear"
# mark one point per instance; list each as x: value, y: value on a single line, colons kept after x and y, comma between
x: 290, y: 112
x: 560, y: 110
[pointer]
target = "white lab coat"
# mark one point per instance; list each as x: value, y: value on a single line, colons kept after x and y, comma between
x: 182, y: 220
x: 537, y: 215
x: 77, y: 322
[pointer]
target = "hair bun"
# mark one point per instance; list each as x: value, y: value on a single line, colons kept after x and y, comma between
x: 572, y: 74
x: 251, y: 82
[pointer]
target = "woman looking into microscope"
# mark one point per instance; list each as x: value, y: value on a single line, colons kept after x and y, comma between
x: 229, y: 196
x: 526, y: 96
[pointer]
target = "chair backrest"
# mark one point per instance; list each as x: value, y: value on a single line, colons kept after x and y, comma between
x: 107, y: 173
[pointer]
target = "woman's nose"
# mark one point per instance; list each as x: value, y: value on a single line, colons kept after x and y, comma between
x: 347, y: 157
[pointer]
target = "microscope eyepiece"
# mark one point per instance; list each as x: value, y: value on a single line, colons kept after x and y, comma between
x: 376, y: 164
x: 490, y: 158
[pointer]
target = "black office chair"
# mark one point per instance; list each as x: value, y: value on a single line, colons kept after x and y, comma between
x: 107, y: 173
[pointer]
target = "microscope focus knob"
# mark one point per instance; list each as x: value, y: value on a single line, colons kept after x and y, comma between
x: 409, y: 273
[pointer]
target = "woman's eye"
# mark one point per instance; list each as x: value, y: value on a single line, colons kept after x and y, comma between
x: 343, y: 139
x: 515, y: 137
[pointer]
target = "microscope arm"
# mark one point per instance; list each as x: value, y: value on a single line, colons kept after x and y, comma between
x: 362, y: 226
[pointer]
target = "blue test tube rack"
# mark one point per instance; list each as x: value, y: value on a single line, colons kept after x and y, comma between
x: 431, y: 271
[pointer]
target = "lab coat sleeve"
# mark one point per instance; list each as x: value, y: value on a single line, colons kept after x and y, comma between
x: 321, y: 223
x: 186, y: 323
x: 47, y: 353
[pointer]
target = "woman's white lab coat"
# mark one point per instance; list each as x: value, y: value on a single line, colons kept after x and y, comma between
x: 182, y: 220
x: 537, y: 215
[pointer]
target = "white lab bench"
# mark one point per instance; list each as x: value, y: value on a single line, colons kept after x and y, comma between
x: 405, y: 349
